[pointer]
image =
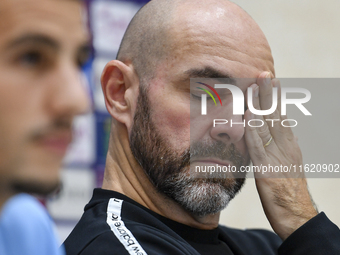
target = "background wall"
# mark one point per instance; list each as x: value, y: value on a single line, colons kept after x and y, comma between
x: 304, y: 36
x: 305, y: 41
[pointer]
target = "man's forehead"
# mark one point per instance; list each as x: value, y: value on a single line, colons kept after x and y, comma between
x: 219, y: 23
x: 222, y: 31
x: 41, y: 16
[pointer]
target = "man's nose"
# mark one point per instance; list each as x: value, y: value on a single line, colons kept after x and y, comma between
x: 230, y: 130
x: 69, y: 95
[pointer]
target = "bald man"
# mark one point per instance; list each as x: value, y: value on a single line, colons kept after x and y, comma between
x: 150, y: 201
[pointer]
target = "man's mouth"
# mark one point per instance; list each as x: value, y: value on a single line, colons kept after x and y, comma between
x: 56, y: 142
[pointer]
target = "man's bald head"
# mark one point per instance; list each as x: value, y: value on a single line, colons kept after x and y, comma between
x: 146, y: 39
x: 151, y: 35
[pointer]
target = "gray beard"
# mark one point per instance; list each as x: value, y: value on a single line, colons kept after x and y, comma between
x: 169, y: 170
x: 201, y: 197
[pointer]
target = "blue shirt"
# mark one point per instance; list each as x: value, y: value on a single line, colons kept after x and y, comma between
x: 27, y: 229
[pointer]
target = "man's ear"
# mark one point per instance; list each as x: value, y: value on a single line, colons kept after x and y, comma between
x: 120, y: 85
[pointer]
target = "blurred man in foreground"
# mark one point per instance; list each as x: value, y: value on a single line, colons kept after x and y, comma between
x: 151, y: 201
x: 43, y: 45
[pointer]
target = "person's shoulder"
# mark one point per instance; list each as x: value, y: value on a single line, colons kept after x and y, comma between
x: 26, y: 227
x: 254, y: 240
x: 23, y: 203
x: 138, y: 239
x: 118, y: 225
x: 24, y: 212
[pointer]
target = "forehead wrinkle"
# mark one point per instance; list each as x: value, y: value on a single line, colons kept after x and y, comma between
x: 234, y: 30
x: 220, y: 44
x: 223, y: 48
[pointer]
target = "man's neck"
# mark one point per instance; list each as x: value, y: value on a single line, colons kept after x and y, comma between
x: 124, y: 175
x: 5, y: 195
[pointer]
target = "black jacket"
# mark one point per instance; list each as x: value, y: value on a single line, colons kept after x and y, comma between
x: 115, y: 224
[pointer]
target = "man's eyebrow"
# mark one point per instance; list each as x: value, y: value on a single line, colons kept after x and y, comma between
x: 209, y: 72
x: 33, y: 39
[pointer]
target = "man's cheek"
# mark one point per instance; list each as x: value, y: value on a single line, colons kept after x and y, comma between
x: 173, y: 123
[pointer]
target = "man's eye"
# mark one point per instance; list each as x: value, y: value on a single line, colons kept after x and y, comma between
x: 195, y: 96
x: 32, y: 58
x: 83, y: 57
